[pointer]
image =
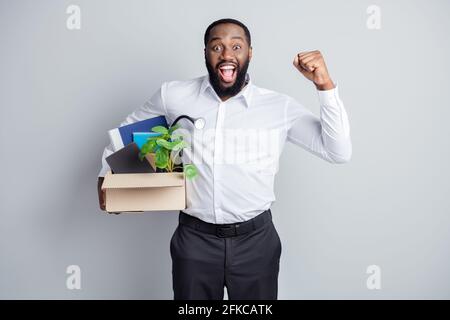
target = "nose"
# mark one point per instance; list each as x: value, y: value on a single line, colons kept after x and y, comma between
x: 227, y: 54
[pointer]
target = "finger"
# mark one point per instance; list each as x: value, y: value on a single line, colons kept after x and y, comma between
x: 305, y: 60
x: 299, y: 66
x: 304, y: 69
x: 309, y: 65
x: 305, y: 53
x: 298, y: 58
x: 309, y: 68
x: 296, y: 61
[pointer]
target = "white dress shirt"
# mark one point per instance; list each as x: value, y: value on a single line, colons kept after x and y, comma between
x: 237, y: 151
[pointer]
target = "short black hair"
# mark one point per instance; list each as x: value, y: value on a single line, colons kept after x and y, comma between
x: 228, y: 20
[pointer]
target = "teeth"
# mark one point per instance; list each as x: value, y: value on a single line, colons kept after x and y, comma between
x: 227, y: 68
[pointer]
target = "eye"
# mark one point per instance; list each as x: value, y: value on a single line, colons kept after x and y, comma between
x: 236, y: 46
x: 216, y: 48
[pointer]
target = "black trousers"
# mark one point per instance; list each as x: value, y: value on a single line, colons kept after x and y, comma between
x: 242, y: 257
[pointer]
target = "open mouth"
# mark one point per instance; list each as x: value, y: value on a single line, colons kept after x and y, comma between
x: 227, y: 73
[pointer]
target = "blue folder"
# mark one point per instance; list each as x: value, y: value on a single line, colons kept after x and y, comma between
x: 123, y: 136
x: 141, y: 137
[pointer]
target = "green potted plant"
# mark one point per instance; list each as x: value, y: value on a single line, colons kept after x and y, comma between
x: 167, y: 148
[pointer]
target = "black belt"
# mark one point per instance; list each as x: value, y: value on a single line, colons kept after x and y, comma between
x: 226, y: 230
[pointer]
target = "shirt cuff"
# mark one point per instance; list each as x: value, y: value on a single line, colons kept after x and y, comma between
x: 102, y: 172
x: 329, y: 97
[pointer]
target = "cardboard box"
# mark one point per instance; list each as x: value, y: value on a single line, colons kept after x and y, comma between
x: 127, y: 192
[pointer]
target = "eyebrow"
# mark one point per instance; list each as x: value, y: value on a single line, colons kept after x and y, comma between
x: 218, y: 38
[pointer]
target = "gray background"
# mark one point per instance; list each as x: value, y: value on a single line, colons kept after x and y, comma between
x: 61, y: 90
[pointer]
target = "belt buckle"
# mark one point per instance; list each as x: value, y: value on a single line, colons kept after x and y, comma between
x: 228, y: 231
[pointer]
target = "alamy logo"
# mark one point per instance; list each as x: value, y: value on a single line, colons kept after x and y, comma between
x: 74, y: 19
x: 374, y: 18
x: 374, y: 280
x: 73, y: 281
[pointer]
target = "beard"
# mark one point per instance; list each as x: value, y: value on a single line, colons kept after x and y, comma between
x: 233, y: 90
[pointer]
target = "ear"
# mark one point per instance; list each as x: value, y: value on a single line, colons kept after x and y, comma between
x: 250, y: 53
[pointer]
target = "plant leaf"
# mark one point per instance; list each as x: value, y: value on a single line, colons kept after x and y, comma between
x: 164, y: 143
x: 190, y: 171
x: 145, y: 148
x: 152, y: 144
x: 160, y: 129
x: 162, y: 158
x: 180, y: 144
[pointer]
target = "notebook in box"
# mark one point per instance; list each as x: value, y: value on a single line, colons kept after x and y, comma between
x: 126, y: 160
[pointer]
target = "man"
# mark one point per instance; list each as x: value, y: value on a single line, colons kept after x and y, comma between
x: 225, y: 236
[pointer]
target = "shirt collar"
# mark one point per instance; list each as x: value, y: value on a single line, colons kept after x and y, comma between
x: 246, y: 92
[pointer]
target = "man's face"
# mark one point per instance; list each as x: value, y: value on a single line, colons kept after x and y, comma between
x: 227, y: 56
